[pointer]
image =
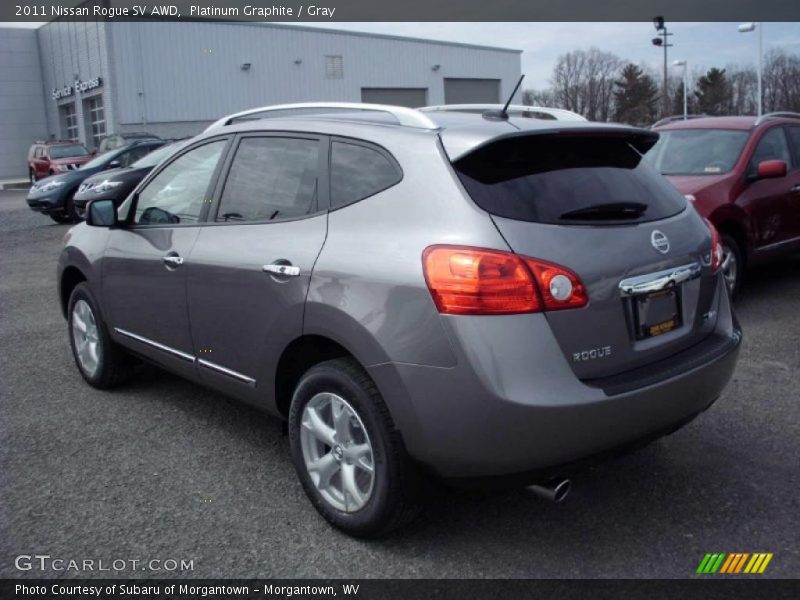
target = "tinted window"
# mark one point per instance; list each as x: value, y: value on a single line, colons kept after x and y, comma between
x: 177, y: 194
x: 771, y: 146
x: 794, y: 135
x: 549, y: 179
x: 697, y: 151
x: 358, y: 172
x: 271, y: 178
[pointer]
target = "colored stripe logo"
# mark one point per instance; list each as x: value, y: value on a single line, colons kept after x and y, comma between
x: 734, y: 563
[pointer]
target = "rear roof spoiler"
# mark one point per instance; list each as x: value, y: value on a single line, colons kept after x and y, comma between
x: 459, y: 143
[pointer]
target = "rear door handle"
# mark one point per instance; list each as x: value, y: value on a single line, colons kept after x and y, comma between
x: 285, y: 270
x: 172, y: 260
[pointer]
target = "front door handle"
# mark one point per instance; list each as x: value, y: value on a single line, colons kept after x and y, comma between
x: 284, y: 270
x: 795, y: 189
x: 172, y: 260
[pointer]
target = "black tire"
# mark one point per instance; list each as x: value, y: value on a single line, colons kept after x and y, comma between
x: 60, y: 218
x: 71, y: 210
x: 730, y: 245
x: 114, y: 364
x: 395, y: 497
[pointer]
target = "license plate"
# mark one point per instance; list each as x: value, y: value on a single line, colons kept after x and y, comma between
x: 657, y: 313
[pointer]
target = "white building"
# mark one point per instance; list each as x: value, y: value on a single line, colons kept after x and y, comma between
x: 173, y: 78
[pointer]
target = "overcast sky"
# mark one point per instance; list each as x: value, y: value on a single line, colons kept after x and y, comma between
x: 703, y: 44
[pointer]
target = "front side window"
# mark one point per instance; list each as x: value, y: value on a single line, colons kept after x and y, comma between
x: 358, y: 172
x: 178, y: 193
x: 771, y: 146
x: 271, y: 178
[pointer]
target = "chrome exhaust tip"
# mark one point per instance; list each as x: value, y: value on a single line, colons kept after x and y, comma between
x: 554, y: 490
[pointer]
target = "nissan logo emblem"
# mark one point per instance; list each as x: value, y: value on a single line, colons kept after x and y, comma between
x: 659, y: 241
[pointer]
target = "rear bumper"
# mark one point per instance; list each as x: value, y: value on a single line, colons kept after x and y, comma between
x: 499, y: 413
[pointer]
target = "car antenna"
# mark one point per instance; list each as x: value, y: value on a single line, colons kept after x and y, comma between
x: 502, y: 115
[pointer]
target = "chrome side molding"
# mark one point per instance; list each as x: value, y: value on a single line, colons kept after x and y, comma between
x: 149, y: 342
x: 660, y: 280
x: 188, y: 357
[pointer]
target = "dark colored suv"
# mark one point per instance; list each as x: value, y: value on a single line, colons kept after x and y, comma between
x: 743, y: 175
x: 52, y: 158
x: 439, y: 292
x: 54, y: 195
x: 118, y: 140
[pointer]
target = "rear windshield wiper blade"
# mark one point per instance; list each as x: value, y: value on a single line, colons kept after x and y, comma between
x: 610, y: 211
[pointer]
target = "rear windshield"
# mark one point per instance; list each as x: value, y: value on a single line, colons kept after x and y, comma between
x: 68, y: 151
x: 567, y: 180
x: 697, y: 151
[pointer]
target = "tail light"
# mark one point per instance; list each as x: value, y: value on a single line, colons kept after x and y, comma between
x: 476, y: 281
x: 716, y: 248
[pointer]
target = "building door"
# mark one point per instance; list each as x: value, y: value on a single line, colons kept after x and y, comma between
x: 471, y: 91
x: 95, y: 120
x: 69, y: 122
x: 410, y: 97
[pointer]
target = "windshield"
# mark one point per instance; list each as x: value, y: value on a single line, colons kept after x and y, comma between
x: 697, y: 151
x: 156, y: 156
x: 98, y: 161
x: 68, y: 151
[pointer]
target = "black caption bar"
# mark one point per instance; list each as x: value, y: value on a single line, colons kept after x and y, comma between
x: 408, y: 10
x: 386, y: 589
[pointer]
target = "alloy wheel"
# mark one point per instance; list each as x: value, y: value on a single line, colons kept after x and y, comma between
x: 337, y: 452
x: 730, y: 267
x: 86, y: 337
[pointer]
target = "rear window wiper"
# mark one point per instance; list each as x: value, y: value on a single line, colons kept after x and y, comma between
x: 609, y: 211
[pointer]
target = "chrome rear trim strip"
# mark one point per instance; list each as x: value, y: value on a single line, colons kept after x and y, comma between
x: 660, y: 280
x: 226, y: 371
x: 149, y: 342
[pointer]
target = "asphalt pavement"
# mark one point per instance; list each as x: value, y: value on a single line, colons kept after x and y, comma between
x: 162, y: 469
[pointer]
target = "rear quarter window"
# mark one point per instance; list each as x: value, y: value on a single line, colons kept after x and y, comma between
x: 359, y: 171
x: 567, y: 180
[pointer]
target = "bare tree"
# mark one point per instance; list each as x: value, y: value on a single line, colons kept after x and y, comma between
x: 743, y: 90
x: 539, y: 98
x: 583, y: 82
x: 781, y: 81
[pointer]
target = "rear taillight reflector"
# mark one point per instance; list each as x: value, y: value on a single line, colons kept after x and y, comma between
x: 477, y: 281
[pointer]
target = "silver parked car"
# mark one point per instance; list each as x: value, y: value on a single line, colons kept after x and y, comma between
x: 473, y: 296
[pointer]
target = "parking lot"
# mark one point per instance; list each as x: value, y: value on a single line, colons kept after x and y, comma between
x: 163, y: 469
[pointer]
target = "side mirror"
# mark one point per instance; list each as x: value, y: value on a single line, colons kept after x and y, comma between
x: 770, y: 169
x: 102, y: 213
x: 114, y: 164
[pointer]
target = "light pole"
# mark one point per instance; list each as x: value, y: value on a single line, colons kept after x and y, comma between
x: 685, y: 65
x: 661, y: 28
x: 747, y: 28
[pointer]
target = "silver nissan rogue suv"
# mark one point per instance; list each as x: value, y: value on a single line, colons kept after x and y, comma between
x: 473, y: 296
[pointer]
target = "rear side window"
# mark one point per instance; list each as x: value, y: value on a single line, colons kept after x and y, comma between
x: 567, y: 180
x: 794, y: 135
x: 271, y: 178
x: 358, y: 172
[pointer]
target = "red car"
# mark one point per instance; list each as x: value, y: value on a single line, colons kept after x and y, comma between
x: 743, y: 175
x: 51, y: 158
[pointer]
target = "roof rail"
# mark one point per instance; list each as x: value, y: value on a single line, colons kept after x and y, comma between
x: 777, y: 115
x: 407, y: 117
x: 673, y: 118
x: 559, y: 114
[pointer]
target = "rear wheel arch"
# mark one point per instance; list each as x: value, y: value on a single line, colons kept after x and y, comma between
x: 70, y: 278
x: 736, y: 230
x: 297, y: 358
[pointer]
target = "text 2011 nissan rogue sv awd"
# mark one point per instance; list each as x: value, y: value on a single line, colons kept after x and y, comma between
x: 466, y: 295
